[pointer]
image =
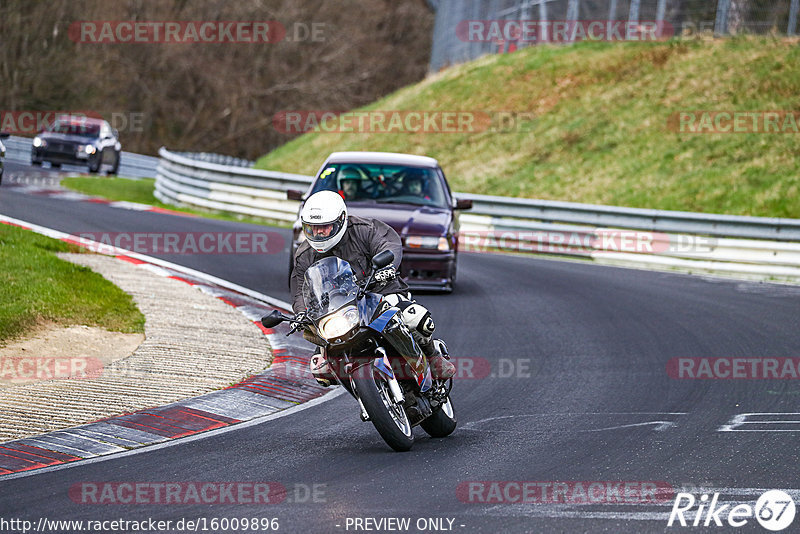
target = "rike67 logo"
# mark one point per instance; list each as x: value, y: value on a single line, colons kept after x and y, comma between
x: 774, y: 511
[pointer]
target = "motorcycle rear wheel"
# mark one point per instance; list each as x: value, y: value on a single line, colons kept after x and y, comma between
x: 389, y: 419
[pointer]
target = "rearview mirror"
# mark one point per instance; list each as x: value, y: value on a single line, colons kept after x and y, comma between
x: 463, y: 204
x: 272, y: 319
x: 383, y: 259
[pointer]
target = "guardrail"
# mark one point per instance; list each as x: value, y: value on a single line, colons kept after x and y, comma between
x: 221, y: 159
x: 132, y: 165
x: 757, y: 247
x: 184, y: 180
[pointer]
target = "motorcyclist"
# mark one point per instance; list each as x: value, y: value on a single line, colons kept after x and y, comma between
x: 329, y: 231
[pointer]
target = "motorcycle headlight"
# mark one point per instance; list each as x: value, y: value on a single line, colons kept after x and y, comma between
x: 339, y: 323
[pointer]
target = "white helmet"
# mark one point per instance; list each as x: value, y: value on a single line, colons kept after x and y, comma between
x: 324, y: 219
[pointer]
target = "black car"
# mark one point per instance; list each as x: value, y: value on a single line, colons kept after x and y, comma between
x: 3, y: 135
x: 78, y: 141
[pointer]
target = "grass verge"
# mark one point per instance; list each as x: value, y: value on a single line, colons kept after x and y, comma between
x: 37, y: 287
x: 599, y: 127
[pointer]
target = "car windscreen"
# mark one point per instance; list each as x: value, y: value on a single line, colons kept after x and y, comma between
x: 76, y: 128
x: 400, y: 184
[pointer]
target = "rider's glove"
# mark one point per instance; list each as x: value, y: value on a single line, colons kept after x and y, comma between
x: 385, y: 275
x: 300, y: 319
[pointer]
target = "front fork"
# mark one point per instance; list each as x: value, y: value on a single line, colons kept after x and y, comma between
x: 382, y: 365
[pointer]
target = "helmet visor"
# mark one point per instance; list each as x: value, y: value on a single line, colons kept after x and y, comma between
x: 319, y: 232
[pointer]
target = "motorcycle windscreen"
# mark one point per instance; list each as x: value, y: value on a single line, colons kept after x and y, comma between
x: 328, y: 285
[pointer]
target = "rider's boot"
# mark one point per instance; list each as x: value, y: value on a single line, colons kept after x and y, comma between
x: 438, y: 358
x: 321, y: 369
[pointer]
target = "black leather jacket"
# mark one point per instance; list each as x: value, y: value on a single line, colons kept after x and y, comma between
x: 363, y: 239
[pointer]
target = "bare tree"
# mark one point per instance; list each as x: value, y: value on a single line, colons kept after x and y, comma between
x: 216, y: 97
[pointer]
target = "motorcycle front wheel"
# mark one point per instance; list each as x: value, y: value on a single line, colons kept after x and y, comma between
x: 389, y: 418
x: 442, y: 422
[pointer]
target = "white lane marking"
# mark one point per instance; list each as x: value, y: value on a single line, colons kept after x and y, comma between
x: 618, y: 511
x: 135, y: 206
x: 155, y: 269
x: 737, y: 422
x: 180, y: 441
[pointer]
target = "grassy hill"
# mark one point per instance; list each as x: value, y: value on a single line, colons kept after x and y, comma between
x: 599, y: 128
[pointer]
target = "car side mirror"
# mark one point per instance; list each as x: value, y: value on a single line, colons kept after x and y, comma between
x: 463, y: 204
x: 4, y: 135
x: 294, y: 194
x: 272, y: 319
x: 383, y: 259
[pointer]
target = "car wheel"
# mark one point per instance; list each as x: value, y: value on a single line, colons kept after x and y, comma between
x: 94, y: 165
x: 36, y: 162
x: 115, y: 168
x: 55, y: 165
x: 448, y: 288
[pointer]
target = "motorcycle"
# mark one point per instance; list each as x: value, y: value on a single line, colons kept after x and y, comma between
x: 371, y: 352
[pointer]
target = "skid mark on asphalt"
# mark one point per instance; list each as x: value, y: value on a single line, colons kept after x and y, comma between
x: 575, y: 422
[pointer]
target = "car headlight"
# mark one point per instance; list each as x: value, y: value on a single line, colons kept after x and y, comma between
x: 339, y: 323
x: 38, y: 141
x: 89, y: 149
x: 428, y: 241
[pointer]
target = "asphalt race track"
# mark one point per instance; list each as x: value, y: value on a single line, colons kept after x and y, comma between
x: 570, y: 385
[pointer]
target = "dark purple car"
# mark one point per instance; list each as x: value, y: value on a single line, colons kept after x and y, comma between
x: 410, y: 194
